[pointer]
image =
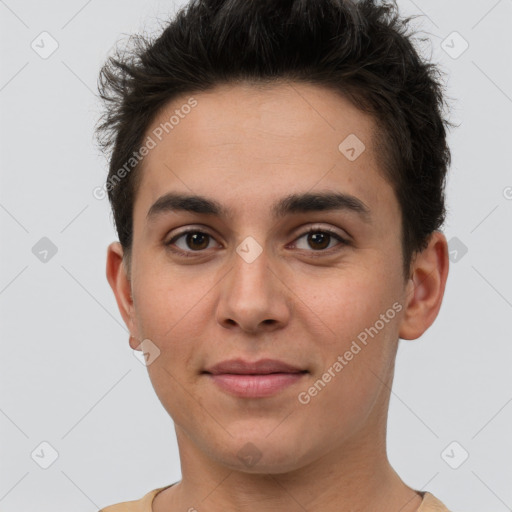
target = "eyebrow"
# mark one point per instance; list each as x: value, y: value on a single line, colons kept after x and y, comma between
x: 291, y: 204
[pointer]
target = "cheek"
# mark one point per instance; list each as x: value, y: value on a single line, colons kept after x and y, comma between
x: 170, y: 311
x: 164, y: 312
x: 359, y: 346
x: 350, y: 305
x: 353, y: 382
x: 165, y: 300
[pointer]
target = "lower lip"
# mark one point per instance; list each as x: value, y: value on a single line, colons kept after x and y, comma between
x: 255, y: 386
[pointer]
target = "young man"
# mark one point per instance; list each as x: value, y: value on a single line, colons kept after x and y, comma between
x: 277, y: 181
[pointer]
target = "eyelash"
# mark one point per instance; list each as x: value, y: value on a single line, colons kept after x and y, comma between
x: 317, y: 253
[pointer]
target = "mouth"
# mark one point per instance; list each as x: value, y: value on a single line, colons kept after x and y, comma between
x: 254, y: 379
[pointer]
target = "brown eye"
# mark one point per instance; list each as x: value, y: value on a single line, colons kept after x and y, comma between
x: 319, y: 239
x: 194, y: 241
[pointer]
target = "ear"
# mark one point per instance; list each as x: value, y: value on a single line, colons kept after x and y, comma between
x: 425, y: 289
x: 120, y: 283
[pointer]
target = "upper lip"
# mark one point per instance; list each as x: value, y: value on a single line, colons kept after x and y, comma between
x: 261, y: 367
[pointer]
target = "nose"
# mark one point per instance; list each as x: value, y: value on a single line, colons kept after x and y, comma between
x: 253, y: 296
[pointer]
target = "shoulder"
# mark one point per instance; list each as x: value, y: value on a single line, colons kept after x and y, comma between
x: 141, y: 505
x: 431, y: 504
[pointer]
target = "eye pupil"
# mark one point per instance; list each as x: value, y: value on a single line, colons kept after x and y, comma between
x: 314, y: 238
x: 197, y: 241
x: 193, y: 236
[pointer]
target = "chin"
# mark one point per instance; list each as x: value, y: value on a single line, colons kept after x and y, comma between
x: 261, y: 454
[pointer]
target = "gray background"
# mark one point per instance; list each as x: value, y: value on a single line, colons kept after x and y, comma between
x: 68, y: 375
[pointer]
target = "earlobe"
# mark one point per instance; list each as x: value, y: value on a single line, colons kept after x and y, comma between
x: 425, y: 289
x: 135, y: 344
x: 120, y: 283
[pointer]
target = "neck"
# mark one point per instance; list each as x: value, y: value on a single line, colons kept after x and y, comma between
x: 354, y: 476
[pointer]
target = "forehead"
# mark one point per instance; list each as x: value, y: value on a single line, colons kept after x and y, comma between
x: 249, y: 142
x: 290, y: 112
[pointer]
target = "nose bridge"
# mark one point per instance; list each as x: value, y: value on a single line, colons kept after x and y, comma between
x: 251, y: 293
x: 249, y: 280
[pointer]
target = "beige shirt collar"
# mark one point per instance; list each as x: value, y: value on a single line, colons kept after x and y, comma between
x: 429, y: 504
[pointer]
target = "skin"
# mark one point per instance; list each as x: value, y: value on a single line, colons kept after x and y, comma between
x: 246, y: 147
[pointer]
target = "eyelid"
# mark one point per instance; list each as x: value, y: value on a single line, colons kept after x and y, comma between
x: 301, y: 231
x: 343, y: 241
x: 190, y: 229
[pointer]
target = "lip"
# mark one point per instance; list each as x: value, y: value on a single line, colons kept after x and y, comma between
x: 261, y: 367
x: 258, y: 379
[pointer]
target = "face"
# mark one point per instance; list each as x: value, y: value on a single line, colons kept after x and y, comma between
x: 251, y: 282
